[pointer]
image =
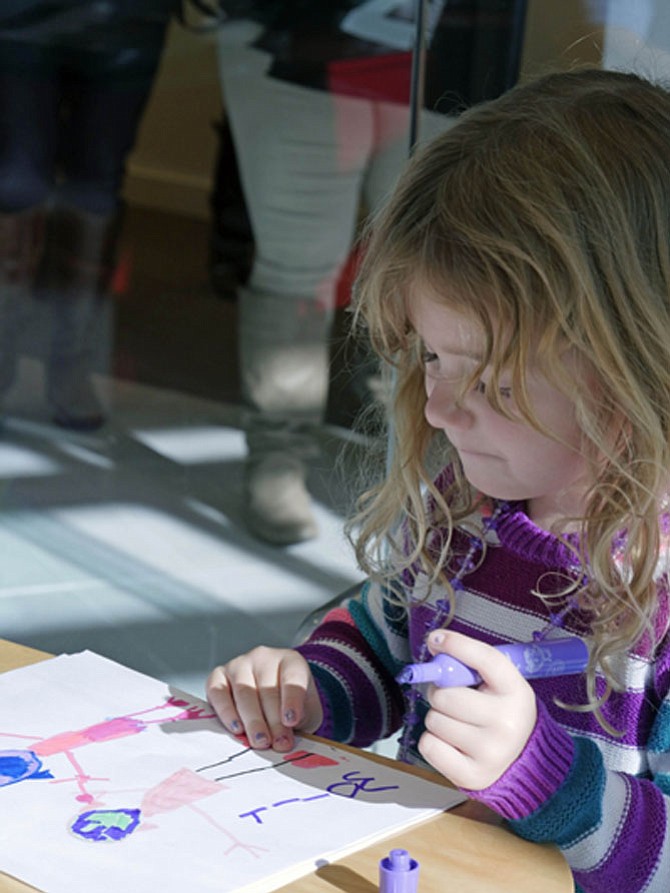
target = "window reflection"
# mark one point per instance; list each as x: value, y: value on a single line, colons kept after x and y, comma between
x: 74, y: 80
x: 179, y: 215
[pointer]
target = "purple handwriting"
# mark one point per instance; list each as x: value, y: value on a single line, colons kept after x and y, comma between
x: 350, y: 786
x: 356, y: 785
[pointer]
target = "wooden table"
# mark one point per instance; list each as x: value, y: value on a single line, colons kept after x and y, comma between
x: 460, y: 851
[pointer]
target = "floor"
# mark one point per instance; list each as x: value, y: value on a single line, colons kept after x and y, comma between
x: 129, y: 541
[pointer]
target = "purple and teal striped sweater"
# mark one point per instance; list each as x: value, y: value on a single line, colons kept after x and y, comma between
x: 604, y: 800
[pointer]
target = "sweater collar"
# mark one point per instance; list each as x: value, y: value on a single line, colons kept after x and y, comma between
x: 520, y: 535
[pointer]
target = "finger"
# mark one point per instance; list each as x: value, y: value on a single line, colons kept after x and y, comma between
x: 243, y: 686
x: 295, y: 678
x: 282, y: 691
x: 255, y: 689
x: 457, y: 734
x: 220, y: 697
x: 450, y: 762
x: 483, y: 746
x: 280, y: 735
x: 467, y: 705
x: 496, y: 670
x: 250, y: 710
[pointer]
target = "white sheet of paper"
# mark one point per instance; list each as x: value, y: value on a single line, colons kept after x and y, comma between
x: 110, y: 780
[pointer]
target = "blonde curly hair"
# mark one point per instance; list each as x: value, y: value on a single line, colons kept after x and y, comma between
x: 547, y: 208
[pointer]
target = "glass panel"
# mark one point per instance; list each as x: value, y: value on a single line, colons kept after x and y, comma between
x: 621, y: 34
x: 179, y: 209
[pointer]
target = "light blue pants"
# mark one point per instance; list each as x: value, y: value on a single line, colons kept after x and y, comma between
x: 310, y: 162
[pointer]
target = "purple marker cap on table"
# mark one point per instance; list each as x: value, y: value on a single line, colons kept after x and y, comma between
x: 534, y: 660
x: 398, y: 873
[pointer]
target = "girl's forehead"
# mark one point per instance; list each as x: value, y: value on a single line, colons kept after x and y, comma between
x: 442, y: 321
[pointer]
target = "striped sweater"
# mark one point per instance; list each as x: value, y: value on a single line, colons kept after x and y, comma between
x: 602, y: 799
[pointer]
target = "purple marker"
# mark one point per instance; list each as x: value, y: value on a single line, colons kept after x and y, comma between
x: 534, y: 660
x: 398, y: 873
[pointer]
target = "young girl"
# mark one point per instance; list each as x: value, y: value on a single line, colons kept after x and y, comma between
x: 519, y: 282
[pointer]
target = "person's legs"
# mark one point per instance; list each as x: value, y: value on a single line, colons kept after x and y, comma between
x: 103, y: 101
x: 28, y: 123
x: 74, y: 279
x: 391, y: 147
x: 302, y: 189
x: 359, y: 393
x: 390, y: 153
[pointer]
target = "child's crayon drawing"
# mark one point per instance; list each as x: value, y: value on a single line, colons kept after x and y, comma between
x: 199, y: 808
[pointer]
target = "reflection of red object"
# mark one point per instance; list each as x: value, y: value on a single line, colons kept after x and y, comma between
x: 120, y: 284
x: 384, y: 78
x: 346, y: 278
x: 306, y: 760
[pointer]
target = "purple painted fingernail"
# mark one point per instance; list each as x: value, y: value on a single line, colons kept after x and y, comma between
x: 260, y: 738
x: 236, y: 727
x: 289, y: 716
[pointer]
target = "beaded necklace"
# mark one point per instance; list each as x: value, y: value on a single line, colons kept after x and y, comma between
x: 467, y: 565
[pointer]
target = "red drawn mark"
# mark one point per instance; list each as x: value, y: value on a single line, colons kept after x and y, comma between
x: 193, y: 711
x: 307, y: 760
x: 177, y: 702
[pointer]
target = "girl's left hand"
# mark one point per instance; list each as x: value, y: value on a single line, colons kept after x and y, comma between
x: 473, y: 735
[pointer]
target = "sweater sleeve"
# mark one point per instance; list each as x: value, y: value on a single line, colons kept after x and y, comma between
x: 611, y: 827
x: 355, y: 654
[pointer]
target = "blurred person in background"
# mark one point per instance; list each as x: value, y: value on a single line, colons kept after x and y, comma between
x: 317, y: 96
x: 74, y: 80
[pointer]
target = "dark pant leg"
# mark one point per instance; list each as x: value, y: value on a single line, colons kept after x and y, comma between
x: 28, y: 125
x: 104, y: 100
x: 29, y: 91
x: 104, y: 96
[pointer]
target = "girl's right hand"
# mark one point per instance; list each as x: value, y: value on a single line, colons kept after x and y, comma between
x: 266, y: 694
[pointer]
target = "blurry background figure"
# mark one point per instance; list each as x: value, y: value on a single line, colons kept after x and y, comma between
x: 74, y: 80
x: 317, y: 97
x: 231, y: 245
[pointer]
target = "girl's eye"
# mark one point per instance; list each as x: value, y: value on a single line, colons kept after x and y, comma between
x: 480, y: 388
x: 427, y: 356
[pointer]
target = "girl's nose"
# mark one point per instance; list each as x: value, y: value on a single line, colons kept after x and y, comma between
x: 444, y: 409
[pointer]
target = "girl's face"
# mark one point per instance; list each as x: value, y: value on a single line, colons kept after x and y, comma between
x: 501, y: 457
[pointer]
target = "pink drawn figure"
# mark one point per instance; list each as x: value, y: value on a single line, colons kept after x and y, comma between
x: 98, y: 824
x: 182, y: 789
x: 15, y: 768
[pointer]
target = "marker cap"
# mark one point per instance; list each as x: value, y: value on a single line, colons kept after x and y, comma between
x: 398, y: 873
x: 443, y: 670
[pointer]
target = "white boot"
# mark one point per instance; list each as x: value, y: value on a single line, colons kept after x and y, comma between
x: 278, y: 507
x: 284, y: 366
